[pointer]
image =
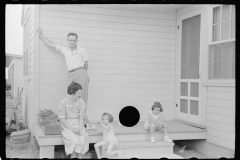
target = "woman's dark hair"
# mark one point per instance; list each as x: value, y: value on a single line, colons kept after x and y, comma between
x: 73, y: 88
x: 110, y: 117
x: 157, y: 105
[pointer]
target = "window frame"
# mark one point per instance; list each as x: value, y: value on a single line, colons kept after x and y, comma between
x: 218, y: 82
x: 26, y: 23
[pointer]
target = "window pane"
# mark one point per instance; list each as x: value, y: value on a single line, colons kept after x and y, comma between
x: 217, y: 52
x: 190, y: 59
x: 233, y: 29
x: 217, y: 69
x: 183, y: 106
x: 216, y: 32
x: 233, y: 12
x: 233, y: 55
x: 25, y: 63
x: 226, y: 69
x: 184, y: 89
x: 195, y: 45
x: 227, y: 51
x: 193, y: 107
x: 194, y: 89
x: 225, y: 13
x: 225, y: 30
x: 216, y: 15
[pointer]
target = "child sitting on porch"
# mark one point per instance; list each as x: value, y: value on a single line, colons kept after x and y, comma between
x: 108, y: 136
x: 155, y: 122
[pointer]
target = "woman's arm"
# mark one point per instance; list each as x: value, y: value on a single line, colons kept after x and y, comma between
x: 86, y: 65
x: 81, y: 122
x: 64, y: 122
x: 107, y: 127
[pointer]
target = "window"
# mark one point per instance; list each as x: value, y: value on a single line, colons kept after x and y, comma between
x: 26, y: 48
x: 222, y: 46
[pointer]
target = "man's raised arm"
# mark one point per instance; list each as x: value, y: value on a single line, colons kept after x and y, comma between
x: 45, y: 40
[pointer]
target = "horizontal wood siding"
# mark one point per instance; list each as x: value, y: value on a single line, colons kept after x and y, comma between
x: 131, y: 57
x: 29, y: 110
x: 221, y: 116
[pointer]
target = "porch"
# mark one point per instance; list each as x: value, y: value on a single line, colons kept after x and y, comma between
x: 135, y: 136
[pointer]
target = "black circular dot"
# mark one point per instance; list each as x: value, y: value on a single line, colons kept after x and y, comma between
x: 129, y: 116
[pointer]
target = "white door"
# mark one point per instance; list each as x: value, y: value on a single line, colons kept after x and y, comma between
x: 188, y: 91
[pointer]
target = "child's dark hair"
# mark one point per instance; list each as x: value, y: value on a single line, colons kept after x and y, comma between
x: 157, y: 105
x: 110, y: 117
x: 73, y: 88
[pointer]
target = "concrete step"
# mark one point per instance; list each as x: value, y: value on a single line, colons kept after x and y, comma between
x: 141, y: 149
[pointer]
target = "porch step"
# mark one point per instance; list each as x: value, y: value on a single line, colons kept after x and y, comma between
x: 141, y: 149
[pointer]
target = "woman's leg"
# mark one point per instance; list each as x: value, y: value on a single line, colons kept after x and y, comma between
x: 74, y: 155
x: 110, y: 151
x: 96, y: 146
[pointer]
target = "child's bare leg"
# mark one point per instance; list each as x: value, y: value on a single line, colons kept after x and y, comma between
x: 166, y: 138
x: 74, y: 155
x: 111, y: 152
x: 151, y: 130
x: 96, y: 146
x: 165, y: 129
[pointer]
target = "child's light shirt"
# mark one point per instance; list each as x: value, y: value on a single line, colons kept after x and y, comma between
x: 157, y: 119
x: 109, y: 136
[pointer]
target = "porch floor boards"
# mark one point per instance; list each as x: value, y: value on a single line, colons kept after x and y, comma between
x: 176, y: 131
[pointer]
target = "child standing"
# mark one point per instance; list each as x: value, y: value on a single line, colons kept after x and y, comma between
x: 109, y: 138
x: 155, y: 122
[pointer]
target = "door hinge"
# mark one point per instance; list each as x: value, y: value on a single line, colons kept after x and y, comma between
x: 177, y: 27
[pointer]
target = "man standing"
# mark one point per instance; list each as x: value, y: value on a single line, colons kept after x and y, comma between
x: 77, y: 63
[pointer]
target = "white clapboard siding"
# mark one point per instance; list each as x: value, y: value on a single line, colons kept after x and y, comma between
x: 164, y: 8
x: 131, y: 57
x: 221, y: 116
x: 29, y: 109
x: 114, y: 12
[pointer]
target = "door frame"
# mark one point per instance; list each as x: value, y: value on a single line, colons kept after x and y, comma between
x: 178, y: 61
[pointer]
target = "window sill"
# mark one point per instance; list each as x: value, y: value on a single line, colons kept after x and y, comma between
x: 221, y: 83
x: 26, y: 78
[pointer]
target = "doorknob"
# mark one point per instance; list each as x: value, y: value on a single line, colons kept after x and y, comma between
x: 176, y: 105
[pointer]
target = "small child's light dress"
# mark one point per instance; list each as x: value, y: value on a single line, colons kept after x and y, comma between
x: 157, y: 120
x: 109, y: 136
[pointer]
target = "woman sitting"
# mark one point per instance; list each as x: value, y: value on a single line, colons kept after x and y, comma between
x: 71, y: 112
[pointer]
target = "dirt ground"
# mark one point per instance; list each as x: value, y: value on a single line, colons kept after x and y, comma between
x: 30, y: 150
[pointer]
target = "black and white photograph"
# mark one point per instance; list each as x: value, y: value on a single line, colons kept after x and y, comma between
x: 120, y: 81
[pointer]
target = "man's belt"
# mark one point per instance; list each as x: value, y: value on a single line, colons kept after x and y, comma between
x: 76, y: 69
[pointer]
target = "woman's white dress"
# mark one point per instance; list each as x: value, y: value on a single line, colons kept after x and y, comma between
x: 78, y: 143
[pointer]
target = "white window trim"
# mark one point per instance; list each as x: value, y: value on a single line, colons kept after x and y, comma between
x: 217, y: 82
x: 26, y: 78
